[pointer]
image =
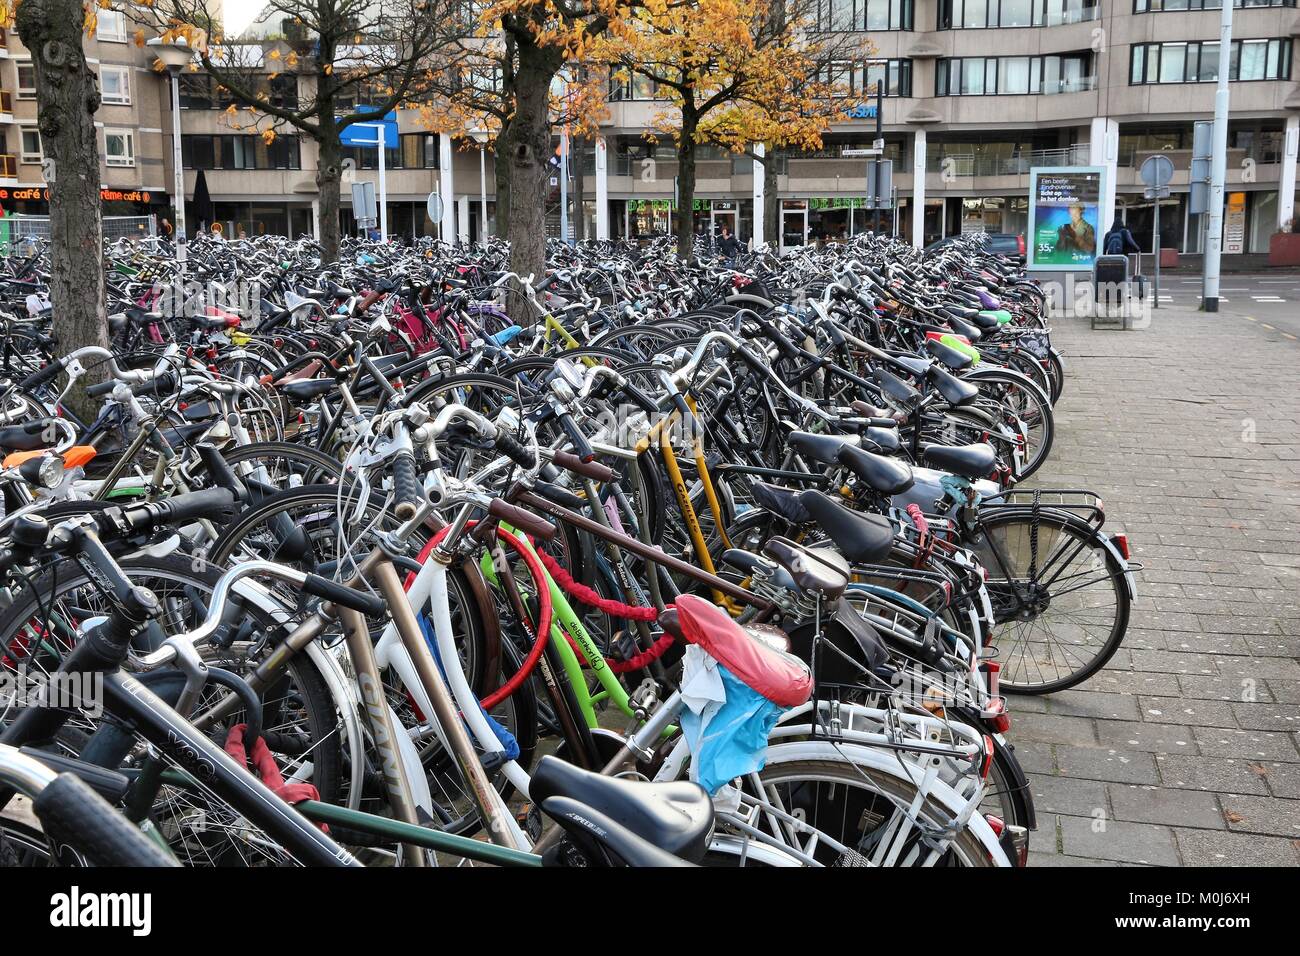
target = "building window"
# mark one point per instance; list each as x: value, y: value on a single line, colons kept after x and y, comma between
x: 196, y: 91
x: 115, y: 84
x: 1014, y: 75
x: 31, y: 145
x: 851, y: 16
x: 987, y: 14
x: 26, y: 80
x: 1158, y: 6
x: 858, y: 78
x: 1198, y: 62
x: 119, y: 147
x: 110, y: 26
x: 240, y: 152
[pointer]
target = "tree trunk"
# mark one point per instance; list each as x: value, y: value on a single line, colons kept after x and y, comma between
x: 528, y: 148
x: 686, y: 186
x: 577, y: 151
x: 67, y: 97
x: 329, y: 174
x: 771, y: 201
x: 501, y: 171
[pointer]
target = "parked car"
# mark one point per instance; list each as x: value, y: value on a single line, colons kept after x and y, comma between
x: 999, y: 243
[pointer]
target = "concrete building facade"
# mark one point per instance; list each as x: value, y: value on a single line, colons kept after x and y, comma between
x: 977, y: 93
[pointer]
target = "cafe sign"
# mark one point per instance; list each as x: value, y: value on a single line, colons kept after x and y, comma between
x: 105, y: 195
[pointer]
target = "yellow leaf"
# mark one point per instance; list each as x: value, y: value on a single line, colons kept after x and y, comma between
x: 268, y: 136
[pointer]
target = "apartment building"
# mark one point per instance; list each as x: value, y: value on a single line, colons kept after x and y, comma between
x: 980, y: 91
x: 977, y: 92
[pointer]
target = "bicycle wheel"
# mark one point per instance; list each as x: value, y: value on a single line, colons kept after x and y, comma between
x: 857, y: 805
x: 300, y: 721
x: 1059, y: 597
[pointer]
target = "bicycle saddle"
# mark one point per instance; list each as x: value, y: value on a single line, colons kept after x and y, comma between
x: 882, y: 440
x: 862, y: 538
x: 780, y: 501
x: 881, y: 474
x: 954, y: 391
x: 969, y: 461
x: 599, y: 840
x: 949, y: 356
x: 812, y: 569
x: 968, y: 329
x: 308, y: 388
x: 780, y: 677
x: 675, y: 817
x: 821, y: 448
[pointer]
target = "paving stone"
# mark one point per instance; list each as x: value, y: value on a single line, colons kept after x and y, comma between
x: 1070, y: 795
x: 1262, y: 815
x: 1153, y: 738
x: 1105, y: 839
x: 1057, y: 859
x: 1286, y: 691
x: 1227, y: 688
x: 1096, y: 763
x: 1051, y: 728
x: 1168, y: 806
x: 1283, y: 779
x: 1246, y: 744
x: 1217, y: 774
x: 1090, y: 703
x: 1034, y: 757
x: 1280, y: 717
x: 1207, y: 713
x: 1212, y: 848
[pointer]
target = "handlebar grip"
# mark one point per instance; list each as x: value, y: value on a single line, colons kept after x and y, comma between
x: 72, y: 813
x: 521, y: 454
x: 588, y: 469
x: 640, y: 398
x: 521, y: 519
x: 406, y: 486
x: 100, y: 389
x: 163, y: 384
x: 39, y: 378
x: 581, y: 447
x: 559, y: 496
x: 216, y: 504
x: 368, y: 604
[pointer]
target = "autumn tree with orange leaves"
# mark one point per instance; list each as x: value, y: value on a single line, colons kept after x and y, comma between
x: 731, y: 73
x: 358, y: 59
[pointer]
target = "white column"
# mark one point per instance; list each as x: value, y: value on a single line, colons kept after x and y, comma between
x: 1103, y: 150
x: 1286, y: 188
x: 918, y: 189
x: 315, y: 218
x: 445, y: 189
x: 462, y: 205
x: 602, y: 190
x: 759, y: 150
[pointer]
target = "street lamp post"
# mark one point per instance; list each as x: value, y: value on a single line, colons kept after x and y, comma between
x: 480, y: 136
x: 176, y: 55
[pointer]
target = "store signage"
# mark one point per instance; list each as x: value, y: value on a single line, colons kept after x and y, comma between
x: 1065, y: 217
x: 861, y: 111
x: 105, y: 195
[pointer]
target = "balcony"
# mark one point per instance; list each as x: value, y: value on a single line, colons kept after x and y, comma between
x: 8, y: 168
x: 6, y: 106
x: 980, y: 164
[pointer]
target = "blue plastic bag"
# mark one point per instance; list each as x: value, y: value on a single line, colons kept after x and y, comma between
x: 729, y: 739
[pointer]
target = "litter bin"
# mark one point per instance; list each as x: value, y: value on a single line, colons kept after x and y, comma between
x: 1110, y: 278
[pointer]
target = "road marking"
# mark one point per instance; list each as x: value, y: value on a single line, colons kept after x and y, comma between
x: 1265, y: 325
x: 1289, y: 336
x: 1248, y: 318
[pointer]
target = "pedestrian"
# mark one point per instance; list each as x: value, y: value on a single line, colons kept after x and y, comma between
x: 1119, y: 240
x: 729, y: 246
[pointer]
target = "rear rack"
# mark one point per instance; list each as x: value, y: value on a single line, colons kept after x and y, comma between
x: 1085, y: 504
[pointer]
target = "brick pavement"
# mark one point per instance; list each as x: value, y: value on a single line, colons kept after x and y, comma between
x: 1185, y: 750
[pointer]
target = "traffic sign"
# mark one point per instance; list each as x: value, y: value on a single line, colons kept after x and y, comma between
x: 434, y: 207
x: 861, y: 151
x: 1157, y: 170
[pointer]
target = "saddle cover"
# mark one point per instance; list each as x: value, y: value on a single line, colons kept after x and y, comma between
x: 725, y: 722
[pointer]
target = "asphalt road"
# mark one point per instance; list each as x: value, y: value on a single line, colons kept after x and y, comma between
x: 1272, y: 301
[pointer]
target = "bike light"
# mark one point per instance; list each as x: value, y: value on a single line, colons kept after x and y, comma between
x: 986, y: 766
x: 46, y: 470
x: 1121, y: 542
